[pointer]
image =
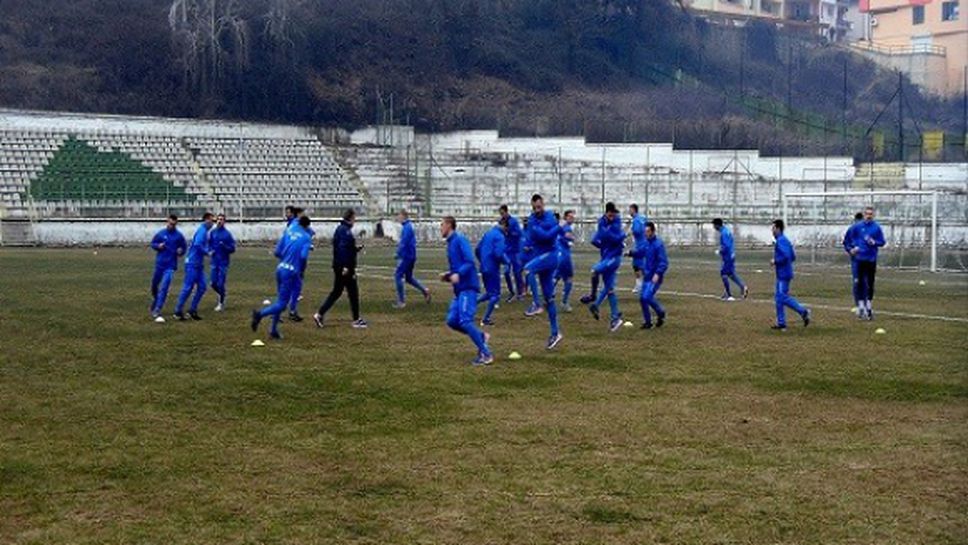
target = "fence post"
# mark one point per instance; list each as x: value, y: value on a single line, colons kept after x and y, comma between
x: 934, y: 231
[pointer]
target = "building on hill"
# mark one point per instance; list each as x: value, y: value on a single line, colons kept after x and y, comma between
x: 925, y: 39
x: 825, y: 16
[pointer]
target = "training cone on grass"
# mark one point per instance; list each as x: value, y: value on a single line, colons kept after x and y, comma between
x: 880, y: 331
x: 922, y: 283
x: 266, y: 302
x: 627, y: 324
x: 159, y: 320
x: 514, y: 356
x: 258, y: 342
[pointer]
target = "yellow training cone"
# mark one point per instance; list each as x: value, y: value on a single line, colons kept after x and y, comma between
x: 514, y: 356
x: 258, y: 342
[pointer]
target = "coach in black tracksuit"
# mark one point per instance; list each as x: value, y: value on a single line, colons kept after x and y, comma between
x: 344, y: 271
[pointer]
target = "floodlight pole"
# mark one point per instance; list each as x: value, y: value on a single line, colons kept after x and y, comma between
x: 934, y: 231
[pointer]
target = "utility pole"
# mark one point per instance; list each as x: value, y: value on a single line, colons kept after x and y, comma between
x: 843, y: 114
x: 900, y: 116
x: 789, y: 101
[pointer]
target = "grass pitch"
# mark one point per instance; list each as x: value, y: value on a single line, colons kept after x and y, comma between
x: 714, y: 429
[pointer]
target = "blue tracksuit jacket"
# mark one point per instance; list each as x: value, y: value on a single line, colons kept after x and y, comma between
x: 653, y: 251
x: 175, y: 246
x: 609, y: 239
x: 869, y: 237
x: 543, y: 232
x: 783, y: 258
x: 490, y: 251
x: 407, y: 247
x: 461, y: 260
x: 727, y: 246
x: 195, y: 257
x: 222, y: 244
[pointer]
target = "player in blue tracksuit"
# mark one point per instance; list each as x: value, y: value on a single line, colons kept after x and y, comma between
x: 656, y: 261
x: 491, y: 256
x: 169, y: 245
x: 849, y: 238
x: 293, y: 255
x: 406, y: 261
x: 868, y: 239
x: 566, y: 267
x: 222, y: 244
x: 512, y: 248
x: 610, y: 241
x: 783, y: 258
x: 543, y: 233
x: 638, y: 239
x: 195, y: 269
x: 727, y: 253
x: 462, y: 275
x: 524, y: 256
x: 293, y: 213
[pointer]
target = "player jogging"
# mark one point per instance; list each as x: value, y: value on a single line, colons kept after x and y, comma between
x: 656, y: 261
x: 638, y: 237
x: 293, y: 254
x: 849, y: 247
x: 406, y: 261
x: 169, y: 245
x: 782, y: 262
x: 222, y: 244
x: 512, y: 248
x: 727, y: 254
x: 566, y: 267
x: 195, y: 269
x: 491, y: 256
x: 868, y: 239
x: 462, y: 275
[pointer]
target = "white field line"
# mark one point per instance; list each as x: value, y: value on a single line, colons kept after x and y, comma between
x: 695, y: 295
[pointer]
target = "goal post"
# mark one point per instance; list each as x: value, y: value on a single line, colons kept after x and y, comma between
x: 912, y: 208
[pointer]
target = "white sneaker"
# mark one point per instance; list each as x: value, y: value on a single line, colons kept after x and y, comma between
x: 730, y: 299
x: 219, y: 307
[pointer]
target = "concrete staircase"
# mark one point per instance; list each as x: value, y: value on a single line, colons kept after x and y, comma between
x: 17, y: 233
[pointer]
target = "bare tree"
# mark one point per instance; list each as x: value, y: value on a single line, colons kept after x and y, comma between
x: 210, y: 36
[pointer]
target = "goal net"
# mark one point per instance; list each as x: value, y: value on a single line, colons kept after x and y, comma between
x: 925, y: 230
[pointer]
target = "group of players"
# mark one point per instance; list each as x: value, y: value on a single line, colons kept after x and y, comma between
x: 534, y: 258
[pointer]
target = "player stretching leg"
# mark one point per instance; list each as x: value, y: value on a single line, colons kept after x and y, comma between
x: 782, y: 262
x: 292, y: 256
x: 566, y: 267
x: 544, y: 231
x: 609, y: 239
x: 406, y: 261
x: 168, y: 244
x: 463, y: 277
x: 727, y: 253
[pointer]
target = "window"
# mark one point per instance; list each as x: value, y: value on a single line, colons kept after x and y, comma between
x: 917, y: 14
x: 949, y: 11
